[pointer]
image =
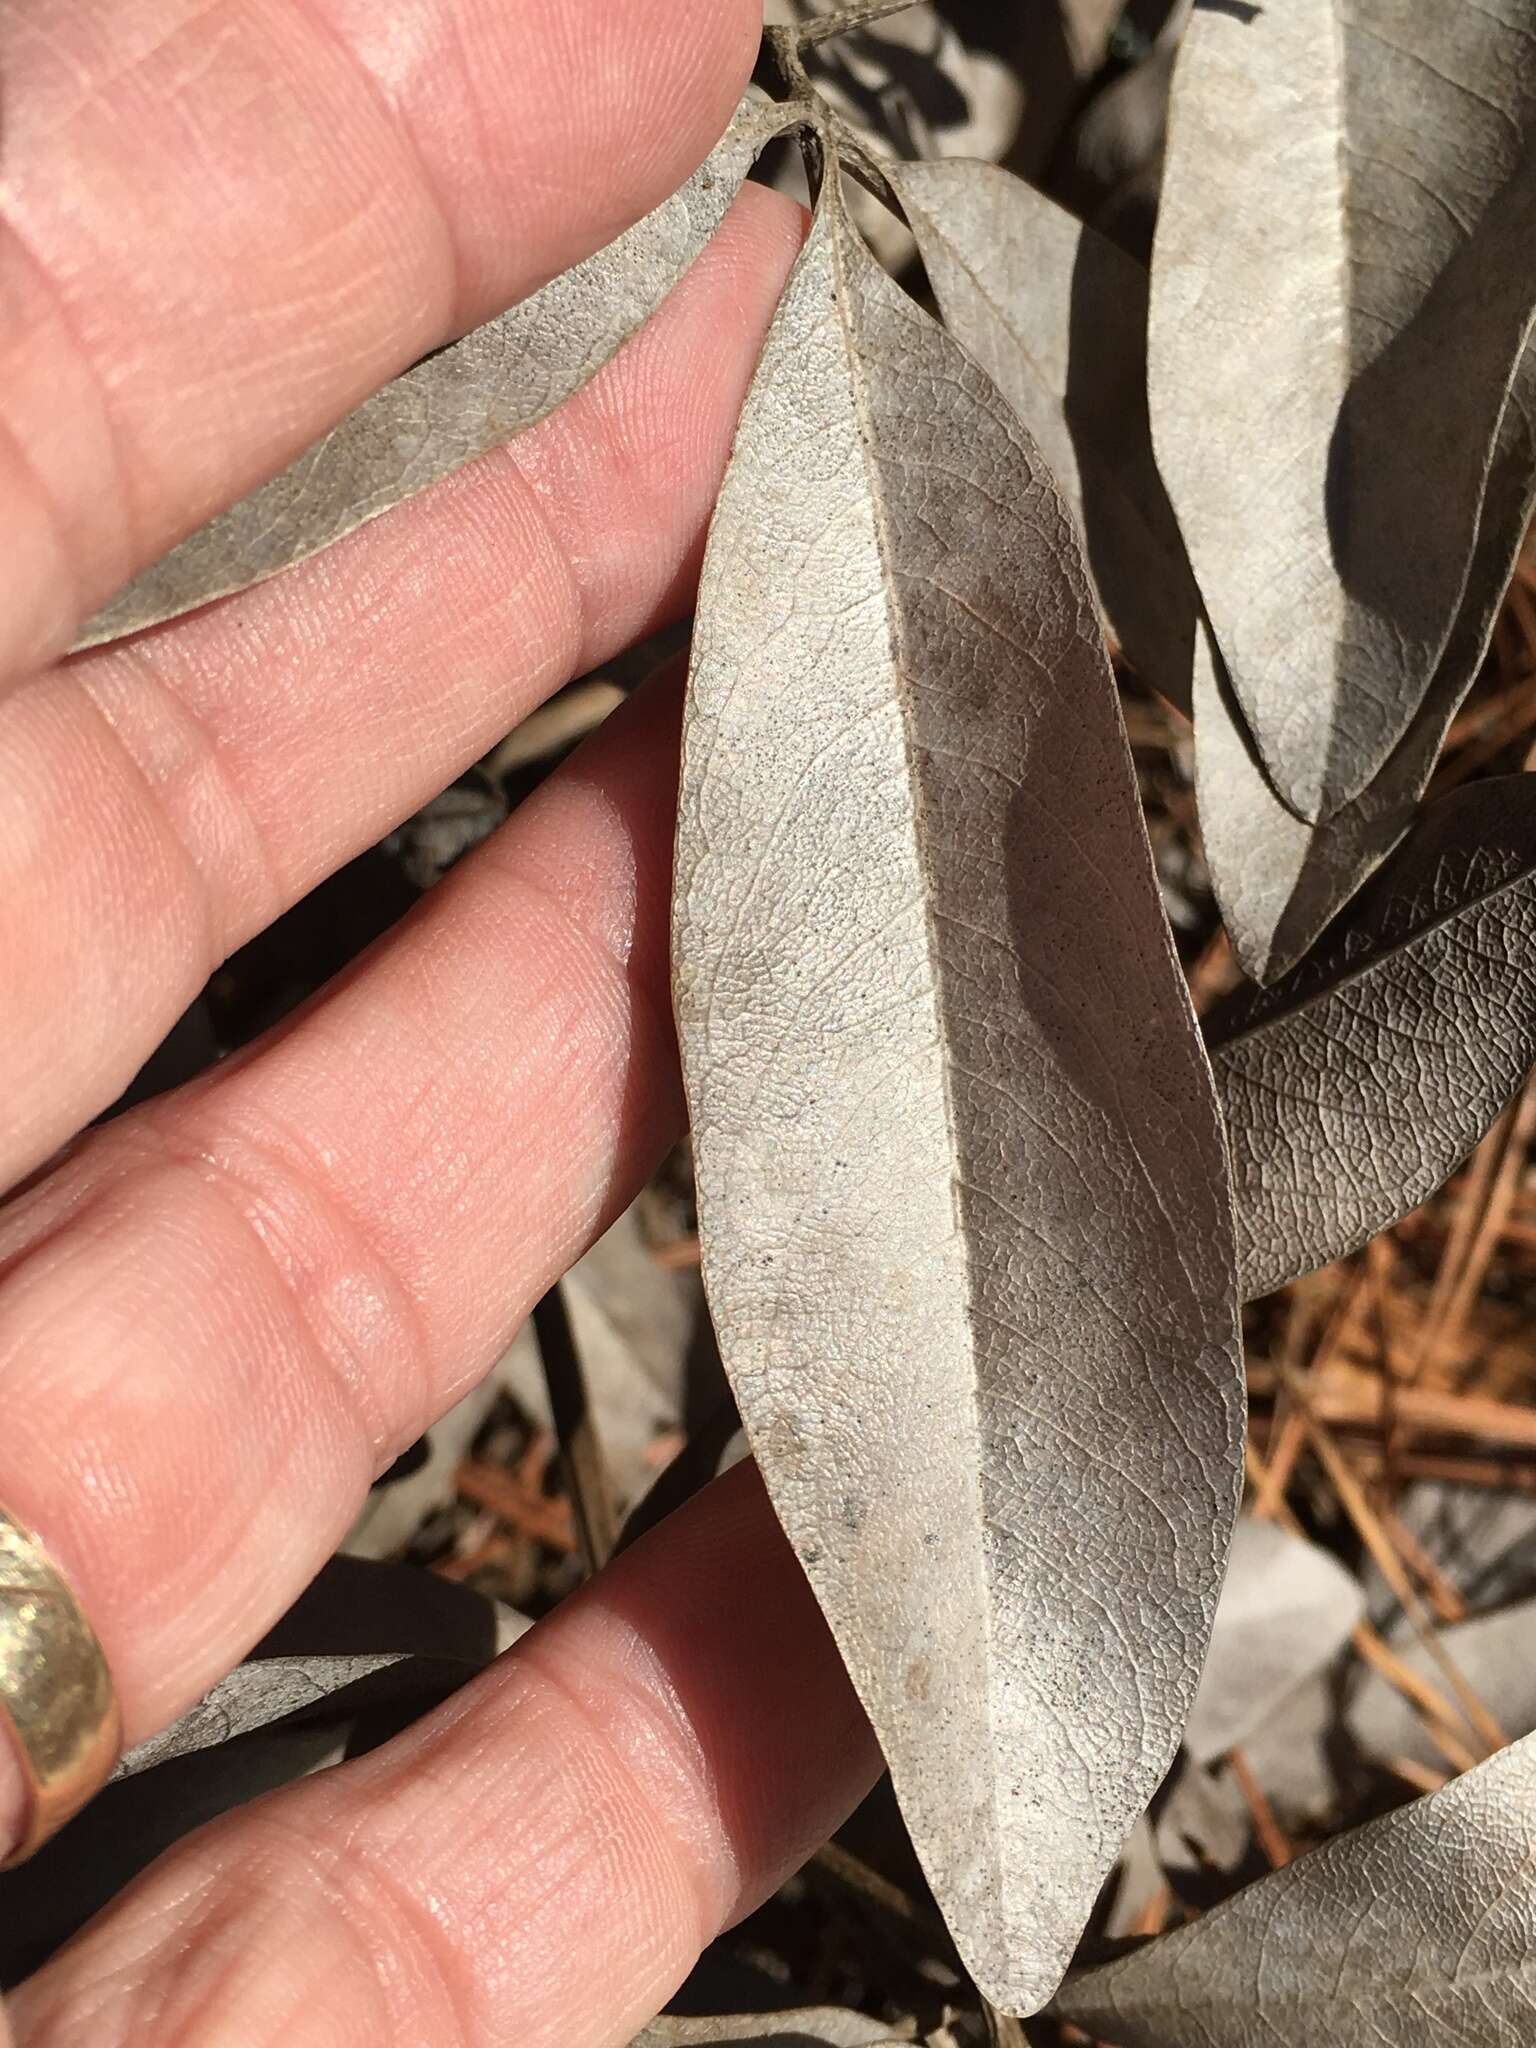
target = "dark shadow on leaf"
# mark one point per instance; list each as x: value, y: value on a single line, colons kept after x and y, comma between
x: 1134, y: 546
x: 1406, y: 467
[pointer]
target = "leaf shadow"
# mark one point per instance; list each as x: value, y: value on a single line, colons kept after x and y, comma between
x: 1135, y: 550
x: 1408, y: 459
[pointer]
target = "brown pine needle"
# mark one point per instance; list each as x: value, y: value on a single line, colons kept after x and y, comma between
x: 1271, y: 1837
x: 1376, y: 1540
x: 1441, y: 1594
x: 1418, y: 1775
x: 1495, y: 1178
x: 1440, y: 1717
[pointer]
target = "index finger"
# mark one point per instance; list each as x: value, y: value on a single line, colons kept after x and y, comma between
x: 222, y: 226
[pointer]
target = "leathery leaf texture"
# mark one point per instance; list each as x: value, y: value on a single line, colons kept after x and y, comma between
x: 453, y: 406
x: 1417, y: 1928
x: 1341, y: 295
x: 1279, y: 881
x: 960, y: 1169
x: 1356, y: 1086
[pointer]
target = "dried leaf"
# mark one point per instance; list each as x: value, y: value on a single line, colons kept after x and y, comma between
x: 1491, y: 1651
x: 1341, y: 295
x: 964, y: 1232
x: 1279, y: 881
x: 267, y: 1690
x: 365, y: 1648
x: 822, y: 2026
x: 1202, y: 1829
x: 1419, y: 1928
x: 1286, y: 1610
x: 1482, y: 1539
x: 453, y: 406
x: 1108, y: 168
x: 1355, y: 1086
x: 1057, y: 317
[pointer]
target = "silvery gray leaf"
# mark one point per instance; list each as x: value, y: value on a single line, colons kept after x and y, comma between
x: 1202, y: 1829
x: 1279, y: 881
x: 1415, y: 1930
x: 1493, y: 1652
x: 1354, y: 1087
x: 1286, y: 1610
x: 1341, y: 294
x: 365, y: 1649
x: 965, y: 1234
x: 1057, y: 317
x: 1294, y: 1756
x: 1108, y: 168
x: 452, y: 407
x: 823, y: 2026
x: 265, y: 1690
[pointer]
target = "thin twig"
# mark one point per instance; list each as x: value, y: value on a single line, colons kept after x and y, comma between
x: 1376, y: 1540
x: 879, y: 1892
x: 1153, y: 1917
x: 1440, y: 1717
x: 1420, y: 1776
x: 1347, y: 1397
x: 1271, y: 1837
x: 1438, y: 1590
x: 1494, y: 1179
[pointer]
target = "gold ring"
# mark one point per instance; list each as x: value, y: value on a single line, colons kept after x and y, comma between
x: 56, y: 1692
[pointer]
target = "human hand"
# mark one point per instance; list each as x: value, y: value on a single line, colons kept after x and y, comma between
x: 223, y: 1313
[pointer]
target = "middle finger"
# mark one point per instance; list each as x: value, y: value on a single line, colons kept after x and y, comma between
x: 161, y: 801
x: 231, y: 1308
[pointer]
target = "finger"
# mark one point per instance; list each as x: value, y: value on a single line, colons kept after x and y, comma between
x: 539, y: 1861
x: 161, y: 802
x: 233, y: 1307
x: 224, y: 226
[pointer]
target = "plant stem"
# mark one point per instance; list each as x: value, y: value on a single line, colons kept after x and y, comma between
x: 825, y: 26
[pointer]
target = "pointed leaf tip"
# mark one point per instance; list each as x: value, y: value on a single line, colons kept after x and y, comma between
x: 1348, y: 204
x: 965, y: 1236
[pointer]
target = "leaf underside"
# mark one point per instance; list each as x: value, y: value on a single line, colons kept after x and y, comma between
x: 1341, y: 296
x: 456, y: 405
x: 1414, y: 1929
x: 1057, y: 317
x: 826, y: 2026
x: 1356, y: 1086
x: 960, y: 1172
x: 1279, y: 881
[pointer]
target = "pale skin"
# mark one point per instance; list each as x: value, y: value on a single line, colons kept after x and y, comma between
x: 221, y: 223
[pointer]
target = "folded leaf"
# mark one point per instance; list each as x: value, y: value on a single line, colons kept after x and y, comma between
x: 1057, y: 317
x: 960, y: 1173
x: 1279, y: 881
x: 1416, y: 1929
x: 453, y: 406
x: 1355, y: 1087
x: 1341, y: 294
